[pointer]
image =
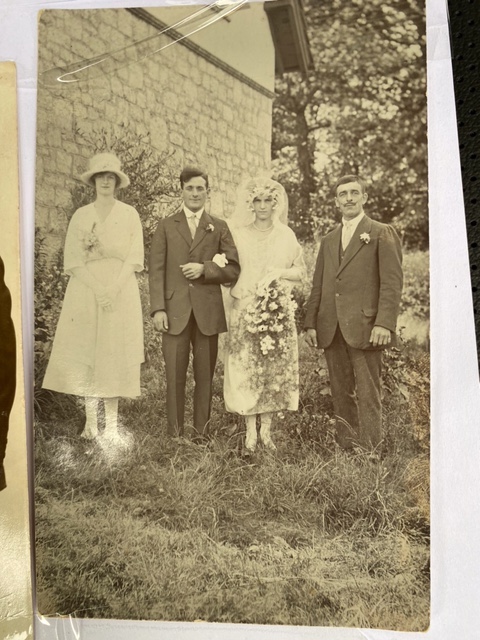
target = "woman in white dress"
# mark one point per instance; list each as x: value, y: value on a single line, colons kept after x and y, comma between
x: 98, y: 345
x: 261, y: 359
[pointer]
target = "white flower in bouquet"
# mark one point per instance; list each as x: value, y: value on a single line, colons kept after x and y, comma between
x: 267, y: 344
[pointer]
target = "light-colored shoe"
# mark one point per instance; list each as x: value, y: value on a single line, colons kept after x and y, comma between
x: 251, y: 444
x: 251, y: 440
x: 269, y: 444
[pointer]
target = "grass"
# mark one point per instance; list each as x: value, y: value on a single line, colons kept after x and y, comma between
x: 191, y: 534
x: 173, y: 531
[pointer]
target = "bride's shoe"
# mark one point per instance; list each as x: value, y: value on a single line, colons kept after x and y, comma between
x: 269, y: 444
x: 251, y: 442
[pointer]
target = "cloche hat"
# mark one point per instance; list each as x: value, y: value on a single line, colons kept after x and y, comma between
x: 102, y: 162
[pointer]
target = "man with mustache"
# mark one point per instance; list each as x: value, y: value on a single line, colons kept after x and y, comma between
x: 352, y: 313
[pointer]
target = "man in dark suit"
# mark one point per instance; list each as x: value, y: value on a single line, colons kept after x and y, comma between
x: 7, y: 368
x: 192, y: 254
x: 352, y: 312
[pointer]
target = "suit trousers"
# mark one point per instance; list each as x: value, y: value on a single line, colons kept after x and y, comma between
x: 176, y: 352
x: 355, y: 379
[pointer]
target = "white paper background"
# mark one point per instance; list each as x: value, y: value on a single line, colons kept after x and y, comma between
x: 455, y: 611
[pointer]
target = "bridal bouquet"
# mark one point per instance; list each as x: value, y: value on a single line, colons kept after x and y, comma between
x: 266, y: 344
x: 269, y: 320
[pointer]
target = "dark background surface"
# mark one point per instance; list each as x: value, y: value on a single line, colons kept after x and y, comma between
x: 464, y: 18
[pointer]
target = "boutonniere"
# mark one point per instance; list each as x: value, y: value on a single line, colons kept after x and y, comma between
x: 365, y: 237
x: 210, y: 227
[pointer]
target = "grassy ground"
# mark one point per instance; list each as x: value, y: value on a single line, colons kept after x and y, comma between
x: 174, y: 531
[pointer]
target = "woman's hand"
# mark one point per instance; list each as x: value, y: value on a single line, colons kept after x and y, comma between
x: 106, y: 297
x: 270, y: 276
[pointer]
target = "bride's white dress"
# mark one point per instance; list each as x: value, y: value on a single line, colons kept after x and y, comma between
x: 250, y: 388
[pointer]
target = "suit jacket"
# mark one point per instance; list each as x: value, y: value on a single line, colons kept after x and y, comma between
x: 171, y: 291
x: 7, y: 367
x: 359, y: 291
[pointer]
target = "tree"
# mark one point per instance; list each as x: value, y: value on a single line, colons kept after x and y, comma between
x: 361, y: 110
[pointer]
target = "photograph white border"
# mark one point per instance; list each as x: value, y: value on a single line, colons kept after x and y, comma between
x: 455, y: 386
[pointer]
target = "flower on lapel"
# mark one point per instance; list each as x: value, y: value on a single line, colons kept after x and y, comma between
x: 365, y: 237
x: 210, y: 227
x: 91, y: 242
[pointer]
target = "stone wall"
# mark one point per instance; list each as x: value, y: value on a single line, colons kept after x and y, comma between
x: 188, y: 104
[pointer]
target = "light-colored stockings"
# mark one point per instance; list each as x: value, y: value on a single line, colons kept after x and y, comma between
x: 90, y: 430
x: 111, y: 417
x: 251, y: 437
x: 265, y: 431
x: 91, y: 423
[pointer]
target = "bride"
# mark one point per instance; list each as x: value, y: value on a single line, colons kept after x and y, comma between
x: 261, y: 359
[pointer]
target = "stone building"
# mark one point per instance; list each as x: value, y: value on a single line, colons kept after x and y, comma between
x: 203, y: 95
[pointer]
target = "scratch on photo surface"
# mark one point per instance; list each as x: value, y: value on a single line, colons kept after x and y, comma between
x: 111, y: 61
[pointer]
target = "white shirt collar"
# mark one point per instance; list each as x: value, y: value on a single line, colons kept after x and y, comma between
x: 353, y: 224
x: 189, y: 212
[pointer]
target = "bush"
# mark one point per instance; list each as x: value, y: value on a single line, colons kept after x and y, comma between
x: 416, y: 281
x: 406, y: 385
x: 50, y: 286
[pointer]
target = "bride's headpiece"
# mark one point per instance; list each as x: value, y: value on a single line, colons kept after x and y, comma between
x: 255, y: 188
x: 263, y: 188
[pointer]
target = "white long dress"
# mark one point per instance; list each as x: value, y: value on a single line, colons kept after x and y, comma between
x: 97, y: 352
x: 273, y: 387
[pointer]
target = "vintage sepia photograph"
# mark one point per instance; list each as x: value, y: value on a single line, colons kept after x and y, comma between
x: 232, y: 363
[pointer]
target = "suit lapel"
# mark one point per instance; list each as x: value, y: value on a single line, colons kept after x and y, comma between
x: 182, y: 226
x: 335, y: 240
x: 355, y: 244
x: 205, y: 220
